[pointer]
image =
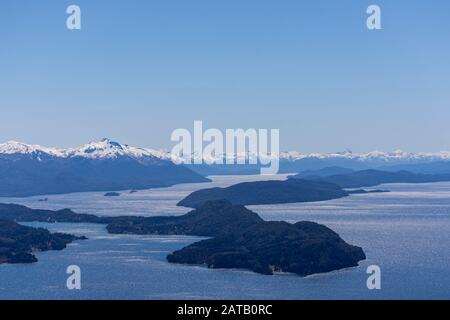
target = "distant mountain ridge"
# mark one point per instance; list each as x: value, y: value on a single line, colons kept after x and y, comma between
x: 325, y: 172
x: 55, y: 166
x: 296, y: 162
x: 103, y: 149
x: 370, y: 178
x: 107, y: 148
x: 27, y: 170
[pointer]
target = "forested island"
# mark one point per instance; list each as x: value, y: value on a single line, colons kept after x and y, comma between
x: 265, y: 247
x: 271, y: 192
x: 18, y: 242
x: 239, y: 238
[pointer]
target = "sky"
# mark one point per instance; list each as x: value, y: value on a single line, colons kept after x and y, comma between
x: 139, y: 69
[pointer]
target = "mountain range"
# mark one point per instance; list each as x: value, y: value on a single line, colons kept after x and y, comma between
x: 106, y: 148
x: 106, y: 165
x: 296, y: 162
x: 27, y: 170
x: 431, y: 163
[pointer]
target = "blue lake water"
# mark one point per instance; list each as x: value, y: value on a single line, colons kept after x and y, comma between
x: 405, y: 232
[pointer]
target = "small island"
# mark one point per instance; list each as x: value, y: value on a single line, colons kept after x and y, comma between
x: 112, y: 194
x: 361, y: 191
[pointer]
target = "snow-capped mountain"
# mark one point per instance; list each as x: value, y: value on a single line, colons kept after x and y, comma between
x: 111, y: 149
x: 27, y: 170
x: 422, y: 162
x: 14, y: 147
x: 108, y: 149
x: 296, y: 162
x: 397, y: 155
x: 104, y: 149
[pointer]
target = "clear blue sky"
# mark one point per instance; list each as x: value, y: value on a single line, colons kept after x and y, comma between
x: 139, y: 69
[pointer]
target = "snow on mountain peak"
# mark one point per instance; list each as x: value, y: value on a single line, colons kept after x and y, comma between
x: 14, y: 147
x: 103, y: 149
x: 109, y: 149
x: 373, y: 155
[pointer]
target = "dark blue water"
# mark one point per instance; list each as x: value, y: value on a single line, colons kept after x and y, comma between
x: 405, y: 232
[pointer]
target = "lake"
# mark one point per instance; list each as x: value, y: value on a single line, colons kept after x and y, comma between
x: 406, y: 232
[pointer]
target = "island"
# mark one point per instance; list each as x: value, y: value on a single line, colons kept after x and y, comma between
x: 303, y: 248
x: 271, y: 192
x: 242, y: 240
x: 323, y: 172
x: 362, y: 191
x: 369, y: 178
x: 112, y: 194
x: 238, y: 238
x: 18, y: 242
x: 21, y: 213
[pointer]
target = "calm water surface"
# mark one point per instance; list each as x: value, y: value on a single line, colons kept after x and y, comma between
x: 405, y: 232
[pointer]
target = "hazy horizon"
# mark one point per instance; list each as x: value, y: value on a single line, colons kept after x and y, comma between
x: 347, y: 150
x: 138, y: 70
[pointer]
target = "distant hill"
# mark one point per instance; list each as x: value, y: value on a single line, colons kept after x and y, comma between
x: 106, y: 165
x: 112, y: 194
x: 296, y: 162
x: 224, y: 170
x: 100, y: 166
x: 368, y: 178
x: 267, y: 192
x: 438, y: 167
x: 325, y: 172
